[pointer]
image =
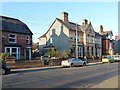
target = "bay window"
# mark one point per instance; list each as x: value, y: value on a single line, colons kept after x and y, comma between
x: 13, y: 51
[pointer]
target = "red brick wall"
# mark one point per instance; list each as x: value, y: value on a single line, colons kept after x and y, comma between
x: 105, y: 47
x: 23, y: 64
x: 21, y: 40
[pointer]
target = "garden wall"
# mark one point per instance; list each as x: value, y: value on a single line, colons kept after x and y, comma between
x: 24, y: 63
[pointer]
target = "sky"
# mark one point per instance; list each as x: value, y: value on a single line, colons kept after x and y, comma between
x: 40, y: 15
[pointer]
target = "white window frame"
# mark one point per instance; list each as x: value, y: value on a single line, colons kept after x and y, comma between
x: 17, y: 51
x: 80, y: 51
x: 15, y: 38
x: 51, y: 40
x: 28, y: 39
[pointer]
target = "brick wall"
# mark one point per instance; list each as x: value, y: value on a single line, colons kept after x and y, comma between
x: 55, y: 62
x: 23, y: 63
x: 11, y: 62
x: 21, y: 40
x: 29, y: 64
x: 105, y: 47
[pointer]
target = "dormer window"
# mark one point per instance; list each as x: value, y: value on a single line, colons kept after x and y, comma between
x: 12, y: 38
x: 27, y: 39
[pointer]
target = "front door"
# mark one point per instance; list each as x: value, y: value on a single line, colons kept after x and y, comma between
x: 27, y: 54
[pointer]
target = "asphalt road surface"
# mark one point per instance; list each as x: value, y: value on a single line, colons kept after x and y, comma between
x: 76, y: 77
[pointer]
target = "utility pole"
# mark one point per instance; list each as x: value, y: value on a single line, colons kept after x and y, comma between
x: 76, y: 42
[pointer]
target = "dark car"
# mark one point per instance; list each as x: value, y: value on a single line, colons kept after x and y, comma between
x: 5, y: 69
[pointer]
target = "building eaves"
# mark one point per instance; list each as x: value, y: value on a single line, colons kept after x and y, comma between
x: 44, y: 35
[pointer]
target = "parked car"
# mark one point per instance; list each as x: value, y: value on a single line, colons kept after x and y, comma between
x: 107, y: 59
x: 116, y: 57
x: 5, y: 69
x: 73, y: 62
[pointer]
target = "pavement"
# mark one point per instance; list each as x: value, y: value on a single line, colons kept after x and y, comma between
x: 109, y: 83
x: 46, y: 67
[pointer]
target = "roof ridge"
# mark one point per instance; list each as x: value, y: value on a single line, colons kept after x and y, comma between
x: 14, y: 25
x: 9, y: 19
x: 6, y: 17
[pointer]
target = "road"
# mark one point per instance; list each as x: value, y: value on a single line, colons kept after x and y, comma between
x: 76, y: 77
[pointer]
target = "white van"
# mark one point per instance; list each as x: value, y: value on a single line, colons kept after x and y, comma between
x: 117, y: 57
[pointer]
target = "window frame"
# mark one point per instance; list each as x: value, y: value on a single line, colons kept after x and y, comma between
x: 15, y: 38
x: 27, y: 39
x: 80, y: 51
x: 17, y: 53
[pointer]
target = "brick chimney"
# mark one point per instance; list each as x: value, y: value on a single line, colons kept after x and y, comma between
x: 101, y: 29
x: 84, y: 21
x: 64, y: 16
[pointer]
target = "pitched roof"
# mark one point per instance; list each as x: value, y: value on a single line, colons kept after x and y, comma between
x: 84, y: 27
x: 44, y: 35
x: 13, y: 25
x: 70, y: 26
x: 107, y: 32
x: 97, y: 34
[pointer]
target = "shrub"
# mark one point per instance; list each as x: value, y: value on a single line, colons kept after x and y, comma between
x: 63, y: 55
x: 53, y: 52
x: 3, y: 56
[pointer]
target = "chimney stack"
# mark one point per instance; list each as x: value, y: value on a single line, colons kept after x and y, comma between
x: 84, y: 21
x: 101, y: 29
x: 64, y: 16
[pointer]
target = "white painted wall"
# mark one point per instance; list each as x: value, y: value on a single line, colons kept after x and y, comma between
x: 42, y: 43
x: 59, y: 35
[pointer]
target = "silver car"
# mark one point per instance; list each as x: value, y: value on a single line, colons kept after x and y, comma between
x: 117, y: 57
x: 73, y: 62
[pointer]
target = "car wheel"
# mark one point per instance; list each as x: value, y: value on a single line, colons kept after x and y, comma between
x: 72, y: 65
x: 84, y: 64
x: 3, y: 72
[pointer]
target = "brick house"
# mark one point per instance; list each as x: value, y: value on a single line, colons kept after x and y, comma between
x: 62, y: 35
x: 107, y: 41
x: 16, y: 38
